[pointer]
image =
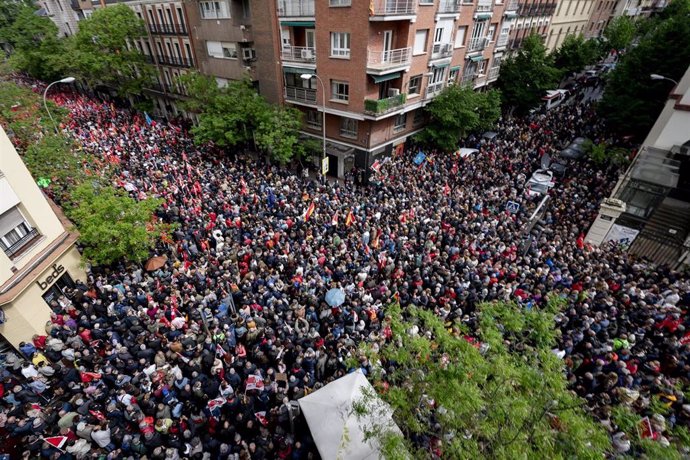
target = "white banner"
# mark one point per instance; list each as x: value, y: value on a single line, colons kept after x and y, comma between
x: 621, y: 235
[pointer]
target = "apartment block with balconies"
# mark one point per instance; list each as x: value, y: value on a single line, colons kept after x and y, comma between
x: 533, y: 17
x: 380, y: 63
x: 39, y: 258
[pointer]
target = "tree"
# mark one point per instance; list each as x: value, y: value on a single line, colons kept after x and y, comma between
x: 114, y: 226
x: 526, y: 76
x: 457, y: 111
x: 619, y: 33
x: 632, y: 101
x: 9, y: 11
x: 37, y: 48
x: 103, y: 53
x: 501, y: 396
x: 278, y: 134
x: 575, y: 53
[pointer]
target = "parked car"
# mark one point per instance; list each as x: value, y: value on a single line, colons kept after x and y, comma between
x: 540, y: 182
x: 558, y: 168
x: 575, y: 150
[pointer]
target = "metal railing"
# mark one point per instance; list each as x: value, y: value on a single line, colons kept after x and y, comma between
x: 298, y: 53
x: 380, y: 106
x: 494, y: 72
x: 392, y: 7
x: 442, y: 50
x: 484, y: 6
x: 293, y: 93
x: 17, y: 247
x: 295, y: 8
x: 168, y: 29
x: 449, y: 6
x: 389, y: 58
x: 434, y: 89
x: 512, y: 5
x: 468, y: 78
x: 477, y: 44
x: 502, y: 40
x: 175, y: 61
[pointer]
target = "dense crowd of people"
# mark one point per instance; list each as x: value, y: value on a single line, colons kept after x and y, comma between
x: 203, y: 357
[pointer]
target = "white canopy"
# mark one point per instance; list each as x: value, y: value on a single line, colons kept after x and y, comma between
x: 337, y: 430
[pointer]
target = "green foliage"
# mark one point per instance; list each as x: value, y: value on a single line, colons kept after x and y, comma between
x: 506, y: 400
x: 629, y: 422
x: 457, y: 111
x: 619, y: 33
x: 9, y: 11
x: 575, y: 53
x: 632, y: 101
x: 603, y: 153
x: 37, y: 48
x: 526, y: 76
x: 101, y: 52
x: 278, y: 134
x: 54, y: 157
x: 114, y: 226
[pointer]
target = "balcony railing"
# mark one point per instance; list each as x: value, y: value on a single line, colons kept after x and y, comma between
x: 434, y: 89
x: 468, y: 78
x: 168, y: 29
x: 17, y: 248
x: 494, y: 72
x: 512, y: 5
x: 165, y: 88
x: 502, y: 40
x: 441, y: 50
x: 299, y: 54
x: 484, y: 6
x: 392, y: 7
x: 449, y: 6
x: 175, y: 61
x: 295, y: 94
x: 381, y: 106
x: 295, y: 8
x: 389, y: 59
x: 477, y: 44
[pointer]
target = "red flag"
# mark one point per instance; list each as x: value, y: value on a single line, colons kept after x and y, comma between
x: 254, y: 382
x: 646, y: 430
x: 98, y: 414
x: 685, y: 340
x: 261, y: 417
x: 56, y: 441
x: 310, y: 211
x: 349, y: 220
x: 376, y: 166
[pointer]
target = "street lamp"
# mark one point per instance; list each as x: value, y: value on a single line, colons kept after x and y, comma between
x: 656, y: 76
x: 309, y: 76
x: 45, y: 103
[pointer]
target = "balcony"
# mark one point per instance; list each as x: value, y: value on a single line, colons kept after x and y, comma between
x: 502, y: 41
x: 493, y: 73
x: 298, y: 54
x: 392, y: 10
x: 165, y: 88
x: 379, y: 62
x: 295, y: 8
x: 512, y: 5
x: 441, y: 50
x: 434, y: 89
x: 468, y: 79
x: 175, y: 61
x: 168, y: 29
x: 304, y: 95
x: 484, y: 6
x: 23, y: 244
x: 477, y: 44
x: 381, y: 106
x: 449, y: 6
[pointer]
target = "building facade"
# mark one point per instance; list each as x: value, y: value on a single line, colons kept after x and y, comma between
x: 39, y: 258
x: 533, y: 17
x: 653, y: 215
x: 571, y: 18
x: 66, y: 14
x: 602, y: 13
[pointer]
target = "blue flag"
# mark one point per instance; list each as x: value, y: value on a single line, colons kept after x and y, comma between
x: 148, y: 119
x: 419, y: 159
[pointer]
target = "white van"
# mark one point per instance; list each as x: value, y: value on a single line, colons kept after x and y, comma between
x: 554, y: 98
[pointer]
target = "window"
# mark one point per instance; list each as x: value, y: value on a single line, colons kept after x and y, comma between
x: 453, y: 75
x: 340, y: 2
x: 340, y: 91
x: 222, y: 50
x: 314, y: 119
x: 15, y: 231
x: 492, y: 31
x: 460, y: 36
x: 348, y: 127
x: 340, y: 44
x: 420, y: 37
x: 482, y: 66
x: 426, y: 2
x: 400, y: 122
x: 214, y: 10
x: 418, y: 117
x: 246, y: 11
x: 415, y: 85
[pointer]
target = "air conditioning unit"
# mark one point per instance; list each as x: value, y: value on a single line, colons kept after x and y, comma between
x: 392, y: 92
x: 307, y: 54
x: 248, y: 54
x: 447, y: 48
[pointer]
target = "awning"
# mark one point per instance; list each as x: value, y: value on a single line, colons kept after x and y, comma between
x: 442, y: 65
x: 299, y: 70
x: 390, y: 76
x: 457, y: 67
x: 482, y: 16
x: 476, y: 58
x: 301, y: 23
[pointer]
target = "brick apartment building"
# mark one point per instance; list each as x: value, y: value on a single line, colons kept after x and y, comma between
x: 533, y: 17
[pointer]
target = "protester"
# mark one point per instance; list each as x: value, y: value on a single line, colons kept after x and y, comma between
x: 202, y: 357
